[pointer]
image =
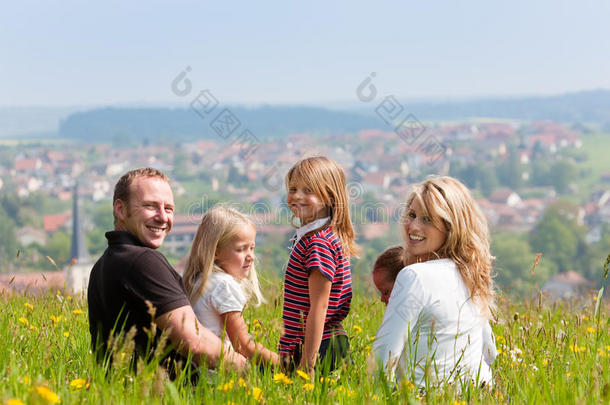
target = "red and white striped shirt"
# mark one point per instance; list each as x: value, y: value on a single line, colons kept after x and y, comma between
x: 321, y: 251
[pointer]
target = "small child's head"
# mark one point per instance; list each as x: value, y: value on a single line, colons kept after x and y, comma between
x: 386, y: 269
x: 442, y: 220
x: 225, y: 242
x: 316, y: 188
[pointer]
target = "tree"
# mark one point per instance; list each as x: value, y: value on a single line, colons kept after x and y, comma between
x: 558, y: 237
x: 514, y: 262
x: 562, y: 173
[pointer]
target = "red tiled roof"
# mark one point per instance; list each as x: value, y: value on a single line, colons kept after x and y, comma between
x: 51, y: 223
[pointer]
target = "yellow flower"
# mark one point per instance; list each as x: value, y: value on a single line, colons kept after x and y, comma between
x: 545, y: 362
x: 281, y: 378
x: 56, y: 319
x: 568, y: 374
x: 67, y: 334
x: 26, y: 379
x: 23, y: 320
x: 47, y: 395
x: 14, y: 401
x: 257, y: 393
x: 459, y: 402
x: 590, y: 330
x: 77, y: 312
x: 69, y: 298
x: 499, y: 350
x: 34, y: 328
x: 408, y: 385
x: 308, y: 387
x: 608, y: 348
x: 29, y: 306
x: 375, y: 397
x: 585, y: 318
x: 79, y: 384
x: 357, y: 329
x: 303, y: 375
x: 227, y: 386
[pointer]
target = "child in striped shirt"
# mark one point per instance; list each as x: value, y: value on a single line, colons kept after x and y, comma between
x: 318, y: 282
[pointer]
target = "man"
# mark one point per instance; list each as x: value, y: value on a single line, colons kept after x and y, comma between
x: 133, y: 287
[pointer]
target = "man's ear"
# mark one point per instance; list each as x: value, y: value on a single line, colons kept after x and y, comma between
x: 120, y: 210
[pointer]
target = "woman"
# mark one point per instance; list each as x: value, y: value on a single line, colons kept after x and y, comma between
x: 435, y: 328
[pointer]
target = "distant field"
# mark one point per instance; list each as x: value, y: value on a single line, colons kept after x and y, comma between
x: 597, y: 147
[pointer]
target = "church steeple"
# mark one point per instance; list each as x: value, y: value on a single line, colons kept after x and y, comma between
x: 78, y: 251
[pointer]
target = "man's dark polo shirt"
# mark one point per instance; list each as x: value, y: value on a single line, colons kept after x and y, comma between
x: 124, y: 279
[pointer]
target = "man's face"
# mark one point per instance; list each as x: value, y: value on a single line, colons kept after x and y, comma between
x: 149, y: 215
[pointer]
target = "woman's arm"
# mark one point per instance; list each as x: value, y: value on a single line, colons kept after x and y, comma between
x: 319, y: 293
x: 237, y: 332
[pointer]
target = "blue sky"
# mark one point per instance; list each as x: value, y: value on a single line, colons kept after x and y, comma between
x: 66, y: 53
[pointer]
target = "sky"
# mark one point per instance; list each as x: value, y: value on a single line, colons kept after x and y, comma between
x: 76, y: 53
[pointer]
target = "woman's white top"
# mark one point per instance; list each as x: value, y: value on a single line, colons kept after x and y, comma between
x: 431, y: 326
x: 222, y: 294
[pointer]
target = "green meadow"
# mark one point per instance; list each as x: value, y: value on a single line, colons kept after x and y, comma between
x: 549, y: 352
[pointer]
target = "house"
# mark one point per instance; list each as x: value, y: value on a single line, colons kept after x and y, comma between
x: 506, y: 197
x: 566, y: 285
x: 52, y: 223
x: 28, y: 235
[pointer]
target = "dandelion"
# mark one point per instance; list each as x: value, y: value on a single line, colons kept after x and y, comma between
x: 26, y: 379
x: 308, y: 387
x: 79, y: 384
x: 568, y: 374
x: 590, y: 330
x: 499, y: 350
x: 281, y: 378
x: 257, y: 393
x: 29, y: 306
x: 69, y: 298
x: 23, y: 320
x: 67, y: 334
x: 77, y: 312
x: 14, y: 401
x: 55, y: 319
x: 357, y: 328
x: 408, y: 385
x: 34, y: 328
x: 608, y: 347
x: 375, y: 397
x: 500, y: 339
x: 585, y: 318
x: 47, y: 395
x: 545, y: 362
x: 460, y: 402
x: 303, y: 375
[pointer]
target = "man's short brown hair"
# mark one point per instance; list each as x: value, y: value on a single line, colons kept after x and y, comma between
x: 121, y: 189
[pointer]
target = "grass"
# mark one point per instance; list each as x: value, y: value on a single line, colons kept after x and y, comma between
x: 548, y: 353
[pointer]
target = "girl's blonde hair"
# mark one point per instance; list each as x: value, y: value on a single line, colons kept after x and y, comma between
x: 327, y: 180
x: 218, y: 226
x: 467, y: 243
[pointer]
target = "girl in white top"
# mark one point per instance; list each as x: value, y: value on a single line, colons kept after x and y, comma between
x: 220, y: 279
x: 435, y: 328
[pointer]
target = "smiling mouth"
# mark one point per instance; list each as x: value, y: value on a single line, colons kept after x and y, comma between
x: 156, y: 229
x: 416, y: 238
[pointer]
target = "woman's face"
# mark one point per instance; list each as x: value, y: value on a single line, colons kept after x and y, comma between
x: 423, y: 238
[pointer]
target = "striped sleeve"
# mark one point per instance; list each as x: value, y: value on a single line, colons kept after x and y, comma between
x: 320, y: 257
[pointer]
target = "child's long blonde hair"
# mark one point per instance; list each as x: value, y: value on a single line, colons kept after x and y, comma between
x: 218, y: 226
x: 327, y: 180
x: 467, y: 242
